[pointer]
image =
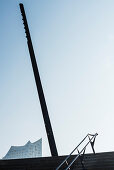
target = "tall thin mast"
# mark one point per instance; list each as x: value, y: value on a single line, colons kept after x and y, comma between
x: 47, y: 122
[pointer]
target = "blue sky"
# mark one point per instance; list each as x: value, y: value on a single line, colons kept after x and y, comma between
x: 74, y: 46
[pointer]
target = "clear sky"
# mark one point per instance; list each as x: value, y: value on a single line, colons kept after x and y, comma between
x: 74, y: 46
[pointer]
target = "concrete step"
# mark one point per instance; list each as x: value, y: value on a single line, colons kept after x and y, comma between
x: 99, y: 161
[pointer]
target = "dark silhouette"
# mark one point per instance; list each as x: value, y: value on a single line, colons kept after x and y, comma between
x: 47, y: 122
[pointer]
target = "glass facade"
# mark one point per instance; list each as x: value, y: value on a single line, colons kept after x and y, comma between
x: 29, y: 150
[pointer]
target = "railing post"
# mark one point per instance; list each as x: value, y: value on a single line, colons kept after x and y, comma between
x: 80, y: 153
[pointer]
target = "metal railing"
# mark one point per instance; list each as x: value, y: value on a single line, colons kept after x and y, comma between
x: 91, y: 138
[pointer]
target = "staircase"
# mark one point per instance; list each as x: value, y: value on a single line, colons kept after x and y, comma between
x: 98, y: 161
x: 79, y: 161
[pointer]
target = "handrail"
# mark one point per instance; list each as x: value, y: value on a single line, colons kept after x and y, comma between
x: 79, y: 153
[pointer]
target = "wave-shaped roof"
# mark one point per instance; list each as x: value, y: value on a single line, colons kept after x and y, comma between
x: 29, y: 150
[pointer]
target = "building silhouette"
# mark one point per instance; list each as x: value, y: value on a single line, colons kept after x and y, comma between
x: 29, y: 150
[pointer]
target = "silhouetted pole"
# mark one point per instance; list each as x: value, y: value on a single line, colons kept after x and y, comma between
x: 47, y: 122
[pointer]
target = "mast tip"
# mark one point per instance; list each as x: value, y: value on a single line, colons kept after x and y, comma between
x: 20, y: 4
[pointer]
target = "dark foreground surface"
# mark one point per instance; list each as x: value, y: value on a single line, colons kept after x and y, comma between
x: 99, y: 161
